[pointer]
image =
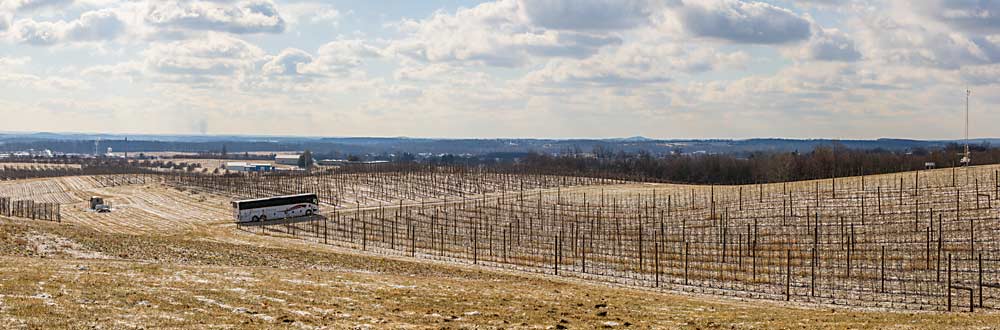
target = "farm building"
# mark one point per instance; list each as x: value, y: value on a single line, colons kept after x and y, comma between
x: 244, y: 167
x: 332, y: 162
x: 287, y: 159
x: 335, y: 162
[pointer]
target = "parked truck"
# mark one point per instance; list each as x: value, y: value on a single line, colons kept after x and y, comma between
x: 97, y: 204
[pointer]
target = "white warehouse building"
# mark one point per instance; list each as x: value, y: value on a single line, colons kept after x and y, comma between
x: 292, y: 160
x: 244, y: 167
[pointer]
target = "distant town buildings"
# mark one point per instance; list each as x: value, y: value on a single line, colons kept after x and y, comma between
x: 30, y: 153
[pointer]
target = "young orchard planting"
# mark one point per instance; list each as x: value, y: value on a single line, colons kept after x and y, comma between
x: 899, y: 242
x: 916, y: 241
x: 380, y: 185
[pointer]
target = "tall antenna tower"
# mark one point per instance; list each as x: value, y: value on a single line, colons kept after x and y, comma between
x: 966, y: 158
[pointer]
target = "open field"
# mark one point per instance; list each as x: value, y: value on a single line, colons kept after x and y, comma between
x: 69, y: 276
x: 62, y: 190
x: 151, y: 208
x: 418, y: 250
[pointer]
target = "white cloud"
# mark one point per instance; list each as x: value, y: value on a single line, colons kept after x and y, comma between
x: 289, y: 62
x: 246, y: 16
x: 980, y: 16
x: 36, y: 83
x: 91, y: 26
x: 899, y: 39
x: 11, y: 64
x: 131, y: 71
x: 37, y: 33
x: 492, y: 33
x: 214, y: 56
x: 400, y: 92
x: 27, y: 5
x: 223, y: 61
x: 636, y: 63
x: 312, y: 12
x: 586, y: 14
x: 5, y: 19
x: 339, y: 57
x: 96, y: 25
x: 830, y: 45
x: 742, y: 22
x: 440, y: 73
x: 822, y: 3
x: 981, y: 74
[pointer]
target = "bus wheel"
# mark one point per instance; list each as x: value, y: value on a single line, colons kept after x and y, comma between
x: 255, y: 218
x: 263, y: 218
x: 309, y: 212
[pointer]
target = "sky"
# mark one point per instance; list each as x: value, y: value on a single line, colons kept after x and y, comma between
x: 848, y: 69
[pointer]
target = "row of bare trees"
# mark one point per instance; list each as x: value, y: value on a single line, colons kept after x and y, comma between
x: 366, y: 185
x: 759, y: 167
x: 43, y: 171
x: 918, y: 241
x: 29, y: 209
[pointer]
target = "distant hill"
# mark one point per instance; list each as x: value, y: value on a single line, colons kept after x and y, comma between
x: 84, y: 143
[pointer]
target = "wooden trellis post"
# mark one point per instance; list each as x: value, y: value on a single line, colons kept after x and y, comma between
x: 949, y: 282
x: 687, y: 248
x: 928, y: 252
x: 940, y: 246
x: 882, y: 270
x: 788, y: 275
x: 656, y: 257
x: 980, y: 259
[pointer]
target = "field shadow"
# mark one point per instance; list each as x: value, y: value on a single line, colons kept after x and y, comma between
x: 295, y: 220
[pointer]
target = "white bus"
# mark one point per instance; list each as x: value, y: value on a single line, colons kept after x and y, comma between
x: 279, y: 207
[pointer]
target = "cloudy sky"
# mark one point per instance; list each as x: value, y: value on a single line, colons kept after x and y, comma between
x: 504, y: 68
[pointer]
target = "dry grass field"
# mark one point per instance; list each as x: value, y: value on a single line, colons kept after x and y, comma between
x: 171, y: 258
x: 70, y: 276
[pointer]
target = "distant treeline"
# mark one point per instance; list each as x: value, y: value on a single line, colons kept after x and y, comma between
x: 760, y: 167
x: 382, y: 148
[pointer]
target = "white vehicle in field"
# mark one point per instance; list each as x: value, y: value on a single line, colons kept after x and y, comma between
x: 272, y: 208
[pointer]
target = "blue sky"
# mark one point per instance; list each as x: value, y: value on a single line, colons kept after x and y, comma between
x: 504, y: 68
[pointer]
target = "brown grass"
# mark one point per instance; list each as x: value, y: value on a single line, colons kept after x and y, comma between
x: 193, y: 282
